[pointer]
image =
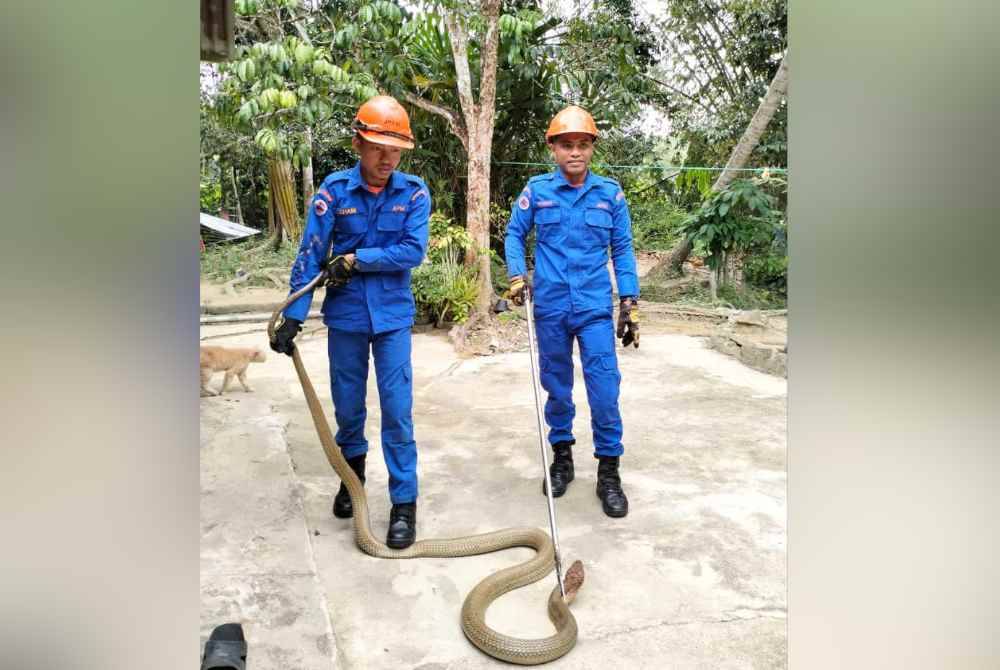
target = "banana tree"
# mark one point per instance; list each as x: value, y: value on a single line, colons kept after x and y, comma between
x: 278, y: 90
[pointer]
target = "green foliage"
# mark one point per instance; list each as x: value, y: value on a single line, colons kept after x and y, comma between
x: 303, y: 66
x: 544, y: 63
x: 656, y: 224
x: 445, y: 290
x: 769, y: 271
x: 283, y: 79
x: 443, y: 287
x: 732, y: 220
x: 722, y: 56
x: 446, y: 239
x: 210, y: 198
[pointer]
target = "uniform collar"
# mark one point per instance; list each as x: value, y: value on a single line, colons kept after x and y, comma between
x: 396, y: 179
x: 559, y: 179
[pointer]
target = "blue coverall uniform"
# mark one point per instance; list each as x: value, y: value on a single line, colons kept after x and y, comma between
x: 574, y: 228
x: 387, y: 232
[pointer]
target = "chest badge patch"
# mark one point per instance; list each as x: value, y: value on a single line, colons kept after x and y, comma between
x: 398, y: 208
x: 603, y: 205
x: 320, y: 206
x: 347, y: 211
x: 545, y: 203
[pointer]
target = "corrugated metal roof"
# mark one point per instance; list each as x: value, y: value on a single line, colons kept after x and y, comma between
x: 229, y: 229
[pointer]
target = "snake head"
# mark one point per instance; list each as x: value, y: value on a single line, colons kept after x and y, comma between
x: 573, y: 581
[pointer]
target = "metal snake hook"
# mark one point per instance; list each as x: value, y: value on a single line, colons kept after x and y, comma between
x: 541, y: 439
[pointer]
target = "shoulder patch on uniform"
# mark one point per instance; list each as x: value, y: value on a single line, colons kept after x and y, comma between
x: 621, y: 194
x: 345, y: 211
x: 523, y: 202
x: 418, y: 194
x: 320, y: 206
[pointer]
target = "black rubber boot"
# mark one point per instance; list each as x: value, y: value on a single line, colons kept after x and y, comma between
x: 226, y: 649
x: 342, y: 507
x: 609, y: 487
x: 402, y: 526
x: 561, y: 471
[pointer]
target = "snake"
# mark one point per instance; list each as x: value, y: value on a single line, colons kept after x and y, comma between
x: 522, y: 651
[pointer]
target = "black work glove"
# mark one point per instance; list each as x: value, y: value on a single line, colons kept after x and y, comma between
x: 283, y: 336
x: 628, y: 322
x: 519, y: 287
x: 340, y: 269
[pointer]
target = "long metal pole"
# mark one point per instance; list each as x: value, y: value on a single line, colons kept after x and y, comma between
x: 541, y: 438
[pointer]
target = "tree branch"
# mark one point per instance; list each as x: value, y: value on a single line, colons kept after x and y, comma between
x: 713, y: 51
x: 488, y: 56
x: 454, y: 120
x: 459, y: 38
x: 664, y: 84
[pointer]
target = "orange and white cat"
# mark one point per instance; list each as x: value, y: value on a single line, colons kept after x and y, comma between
x: 233, y: 360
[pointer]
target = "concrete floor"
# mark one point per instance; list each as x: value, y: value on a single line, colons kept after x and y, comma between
x: 693, y: 577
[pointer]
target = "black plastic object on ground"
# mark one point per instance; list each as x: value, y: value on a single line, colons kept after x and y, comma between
x: 226, y: 649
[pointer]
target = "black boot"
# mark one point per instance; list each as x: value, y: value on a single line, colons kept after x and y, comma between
x: 402, y: 525
x: 609, y: 487
x: 561, y: 471
x: 342, y: 507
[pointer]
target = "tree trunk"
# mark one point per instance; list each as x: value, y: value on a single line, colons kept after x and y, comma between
x: 478, y: 222
x: 671, y: 266
x: 223, y: 187
x: 283, y: 198
x: 272, y: 222
x: 236, y: 195
x: 479, y: 120
x: 307, y: 179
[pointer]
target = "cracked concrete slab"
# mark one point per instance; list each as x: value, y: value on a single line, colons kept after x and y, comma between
x: 693, y: 577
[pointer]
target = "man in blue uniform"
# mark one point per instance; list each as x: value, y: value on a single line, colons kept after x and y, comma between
x: 577, y: 216
x: 370, y: 224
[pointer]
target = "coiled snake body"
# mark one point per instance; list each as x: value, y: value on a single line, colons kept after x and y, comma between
x: 507, y: 648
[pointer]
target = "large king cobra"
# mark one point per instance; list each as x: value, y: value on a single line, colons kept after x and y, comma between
x: 504, y: 647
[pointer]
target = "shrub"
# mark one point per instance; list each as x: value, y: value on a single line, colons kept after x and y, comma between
x: 445, y: 290
x: 656, y: 224
x: 768, y: 271
x: 443, y: 287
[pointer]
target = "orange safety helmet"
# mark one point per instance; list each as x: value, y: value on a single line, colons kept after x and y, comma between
x: 383, y: 120
x: 573, y: 119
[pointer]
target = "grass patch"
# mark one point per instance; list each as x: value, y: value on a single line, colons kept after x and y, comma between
x: 747, y: 298
x: 223, y: 262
